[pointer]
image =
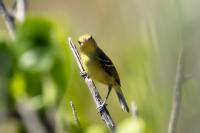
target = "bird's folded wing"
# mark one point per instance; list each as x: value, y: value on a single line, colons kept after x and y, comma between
x: 107, y: 65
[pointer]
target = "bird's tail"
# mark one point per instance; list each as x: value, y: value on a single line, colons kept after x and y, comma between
x: 121, y: 98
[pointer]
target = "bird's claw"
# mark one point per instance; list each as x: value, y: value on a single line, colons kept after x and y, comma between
x: 83, y: 74
x: 102, y: 106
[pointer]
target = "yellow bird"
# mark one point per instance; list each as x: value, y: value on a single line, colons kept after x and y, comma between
x: 100, y: 68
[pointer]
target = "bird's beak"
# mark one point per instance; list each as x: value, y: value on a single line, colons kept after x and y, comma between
x: 79, y: 42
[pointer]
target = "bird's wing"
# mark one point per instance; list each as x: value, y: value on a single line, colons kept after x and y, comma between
x: 107, y: 65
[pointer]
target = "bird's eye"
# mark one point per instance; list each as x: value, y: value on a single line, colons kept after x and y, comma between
x: 79, y: 42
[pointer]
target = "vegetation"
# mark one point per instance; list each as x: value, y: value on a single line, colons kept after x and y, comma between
x: 39, y: 77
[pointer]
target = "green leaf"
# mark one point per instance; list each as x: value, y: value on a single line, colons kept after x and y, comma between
x: 131, y: 125
x: 96, y: 129
x: 34, y: 45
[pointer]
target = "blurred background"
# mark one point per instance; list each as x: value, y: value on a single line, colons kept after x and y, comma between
x: 39, y: 76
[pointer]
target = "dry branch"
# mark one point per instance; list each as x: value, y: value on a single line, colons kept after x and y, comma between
x: 75, y: 114
x: 9, y: 19
x: 10, y: 16
x: 177, y: 93
x: 19, y: 9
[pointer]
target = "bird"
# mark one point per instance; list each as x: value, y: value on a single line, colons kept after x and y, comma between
x: 100, y: 68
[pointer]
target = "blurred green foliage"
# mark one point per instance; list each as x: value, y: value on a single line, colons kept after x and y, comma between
x: 34, y: 68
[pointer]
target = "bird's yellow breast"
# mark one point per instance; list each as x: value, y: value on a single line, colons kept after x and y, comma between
x: 95, y: 71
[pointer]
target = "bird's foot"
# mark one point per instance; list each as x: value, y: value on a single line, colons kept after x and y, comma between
x: 83, y: 74
x: 102, y: 106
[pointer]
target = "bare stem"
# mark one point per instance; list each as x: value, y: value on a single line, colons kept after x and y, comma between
x: 18, y: 13
x: 177, y: 93
x: 105, y: 116
x: 75, y: 114
x: 134, y: 110
x: 9, y: 19
x: 19, y: 9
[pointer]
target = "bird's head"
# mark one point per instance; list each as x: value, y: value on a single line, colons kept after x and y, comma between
x: 84, y: 39
x: 87, y: 43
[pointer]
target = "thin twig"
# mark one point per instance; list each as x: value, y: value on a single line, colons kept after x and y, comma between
x: 18, y: 13
x: 134, y: 110
x: 9, y: 19
x: 19, y: 9
x: 105, y: 116
x: 75, y: 114
x: 177, y: 93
